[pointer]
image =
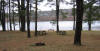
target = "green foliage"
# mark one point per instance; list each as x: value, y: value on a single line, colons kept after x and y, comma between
x: 63, y: 14
x: 88, y: 4
x: 22, y: 12
x: 2, y: 1
x: 92, y: 12
x: 73, y: 11
x: 96, y: 13
x: 53, y: 22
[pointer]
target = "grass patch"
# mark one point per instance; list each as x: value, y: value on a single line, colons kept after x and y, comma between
x: 18, y: 41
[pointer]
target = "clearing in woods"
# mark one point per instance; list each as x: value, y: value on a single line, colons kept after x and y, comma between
x: 18, y: 41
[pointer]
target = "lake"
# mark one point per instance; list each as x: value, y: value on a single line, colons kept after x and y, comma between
x: 63, y: 25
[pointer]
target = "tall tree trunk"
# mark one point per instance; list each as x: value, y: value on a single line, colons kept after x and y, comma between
x: 74, y: 24
x: 36, y: 17
x: 13, y: 21
x: 57, y: 14
x: 3, y: 21
x: 22, y: 15
x: 10, y: 17
x: 13, y: 18
x: 28, y: 20
x: 30, y: 8
x: 89, y: 25
x: 7, y: 19
x: 0, y: 14
x: 79, y: 18
x: 3, y: 16
x: 19, y: 12
x: 0, y: 11
x: 89, y: 18
x: 99, y: 3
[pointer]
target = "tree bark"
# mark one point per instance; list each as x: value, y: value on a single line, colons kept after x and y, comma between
x: 90, y: 18
x: 0, y: 11
x: 36, y: 17
x: 7, y: 19
x: 89, y: 25
x: 0, y: 14
x: 30, y: 8
x: 74, y: 24
x: 57, y: 14
x: 22, y: 15
x: 13, y: 18
x: 10, y: 17
x: 28, y: 20
x: 3, y: 16
x: 18, y: 1
x: 79, y: 18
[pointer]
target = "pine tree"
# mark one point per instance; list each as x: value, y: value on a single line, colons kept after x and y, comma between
x: 36, y: 17
x: 28, y: 20
x: 57, y: 14
x: 79, y: 18
x: 10, y: 16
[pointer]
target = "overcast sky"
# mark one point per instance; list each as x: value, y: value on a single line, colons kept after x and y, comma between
x: 44, y: 7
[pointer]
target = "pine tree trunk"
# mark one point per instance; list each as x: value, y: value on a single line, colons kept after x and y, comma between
x: 3, y: 16
x: 28, y: 20
x: 36, y: 17
x: 74, y: 24
x: 13, y: 22
x: 19, y: 12
x: 57, y: 14
x: 30, y: 11
x: 79, y: 18
x: 0, y: 11
x: 89, y: 25
x: 0, y: 14
x: 10, y: 17
x: 13, y: 18
x: 7, y: 19
x: 3, y: 21
x: 99, y: 3
x: 22, y: 15
x: 30, y: 8
x: 89, y: 18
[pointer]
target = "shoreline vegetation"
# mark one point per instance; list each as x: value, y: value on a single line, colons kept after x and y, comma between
x: 51, y: 20
x: 18, y: 41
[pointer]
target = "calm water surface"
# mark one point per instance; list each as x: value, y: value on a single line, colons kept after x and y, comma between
x: 63, y: 25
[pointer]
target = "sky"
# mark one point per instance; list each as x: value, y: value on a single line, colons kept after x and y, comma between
x: 44, y: 7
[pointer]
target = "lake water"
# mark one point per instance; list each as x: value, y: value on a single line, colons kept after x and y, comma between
x: 63, y: 25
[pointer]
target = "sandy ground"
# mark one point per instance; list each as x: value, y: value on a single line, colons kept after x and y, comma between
x: 18, y: 41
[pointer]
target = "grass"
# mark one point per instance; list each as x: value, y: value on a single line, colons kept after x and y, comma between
x: 18, y: 41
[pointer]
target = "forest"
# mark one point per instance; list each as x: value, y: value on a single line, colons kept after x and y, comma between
x: 21, y: 28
